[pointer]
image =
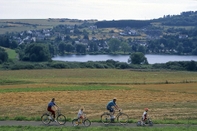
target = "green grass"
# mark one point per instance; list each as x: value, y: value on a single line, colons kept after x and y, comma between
x: 107, y: 128
x: 24, y: 118
x: 68, y: 119
x: 98, y: 76
x: 18, y: 24
x: 64, y: 88
x: 11, y: 53
x: 14, y: 82
x: 185, y: 121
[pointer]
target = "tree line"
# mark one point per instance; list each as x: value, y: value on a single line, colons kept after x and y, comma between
x: 108, y: 64
x: 188, y: 18
x: 123, y: 23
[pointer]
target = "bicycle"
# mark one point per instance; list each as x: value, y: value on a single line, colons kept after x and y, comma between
x: 47, y: 118
x: 148, y: 121
x: 86, y: 122
x: 122, y: 118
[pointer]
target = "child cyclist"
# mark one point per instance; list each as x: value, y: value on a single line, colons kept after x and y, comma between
x: 80, y: 114
x: 144, y: 116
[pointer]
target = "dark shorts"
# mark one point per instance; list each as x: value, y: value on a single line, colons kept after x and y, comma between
x: 110, y: 109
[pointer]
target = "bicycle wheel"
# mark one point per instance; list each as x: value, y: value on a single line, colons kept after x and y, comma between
x: 105, y: 118
x: 61, y: 119
x: 150, y: 123
x: 138, y: 123
x: 45, y: 119
x: 87, y: 122
x: 75, y: 122
x: 123, y: 118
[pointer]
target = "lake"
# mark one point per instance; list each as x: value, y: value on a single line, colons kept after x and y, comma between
x: 152, y: 59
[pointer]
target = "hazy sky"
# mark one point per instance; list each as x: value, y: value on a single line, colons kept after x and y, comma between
x: 93, y: 9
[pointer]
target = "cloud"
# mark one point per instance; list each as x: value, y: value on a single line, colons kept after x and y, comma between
x: 94, y: 9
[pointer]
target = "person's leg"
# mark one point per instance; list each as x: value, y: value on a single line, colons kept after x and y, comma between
x: 81, y: 119
x: 52, y: 112
x: 142, y: 121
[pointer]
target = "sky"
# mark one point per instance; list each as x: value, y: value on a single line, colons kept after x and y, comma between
x: 94, y: 9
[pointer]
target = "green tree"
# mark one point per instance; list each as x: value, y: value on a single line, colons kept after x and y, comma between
x: 125, y: 47
x: 194, y: 52
x: 4, y: 41
x: 13, y: 45
x: 179, y: 48
x: 192, y: 66
x: 3, y: 55
x: 62, y: 47
x: 93, y: 46
x: 69, y: 47
x: 80, y: 48
x: 37, y: 52
x: 142, y: 49
x: 114, y: 45
x: 67, y: 38
x: 138, y: 58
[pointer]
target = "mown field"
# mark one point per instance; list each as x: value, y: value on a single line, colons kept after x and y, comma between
x: 171, y: 96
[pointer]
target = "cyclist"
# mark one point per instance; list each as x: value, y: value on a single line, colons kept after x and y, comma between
x: 80, y: 114
x: 51, y: 105
x: 144, y: 116
x: 110, y: 105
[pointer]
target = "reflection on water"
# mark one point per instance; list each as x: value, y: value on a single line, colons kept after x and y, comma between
x: 152, y: 59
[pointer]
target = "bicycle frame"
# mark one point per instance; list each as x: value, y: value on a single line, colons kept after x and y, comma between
x: 106, y: 117
x: 48, y: 117
x: 78, y: 121
x: 116, y: 116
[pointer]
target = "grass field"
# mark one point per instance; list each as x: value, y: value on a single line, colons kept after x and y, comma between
x: 20, y: 128
x: 11, y: 53
x: 171, y: 96
x: 18, y: 25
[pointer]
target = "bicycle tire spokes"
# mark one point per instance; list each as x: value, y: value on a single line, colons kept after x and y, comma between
x: 123, y: 119
x: 75, y: 122
x: 45, y: 119
x: 61, y: 119
x: 106, y: 118
x: 87, y: 122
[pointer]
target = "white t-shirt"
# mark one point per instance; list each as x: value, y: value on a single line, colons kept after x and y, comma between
x: 144, y: 115
x: 80, y: 113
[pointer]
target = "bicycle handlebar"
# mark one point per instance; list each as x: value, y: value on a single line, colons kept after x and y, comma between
x: 120, y: 110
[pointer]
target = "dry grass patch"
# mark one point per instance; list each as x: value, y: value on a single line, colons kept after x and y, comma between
x: 27, y: 92
x: 175, y: 101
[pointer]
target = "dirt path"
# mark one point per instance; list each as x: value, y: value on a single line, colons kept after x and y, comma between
x: 94, y: 124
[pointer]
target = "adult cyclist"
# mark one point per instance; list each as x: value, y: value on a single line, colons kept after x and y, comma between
x: 110, y: 106
x: 52, y: 104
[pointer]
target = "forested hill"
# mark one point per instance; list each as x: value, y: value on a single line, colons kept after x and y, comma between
x: 123, y: 23
x: 184, y: 19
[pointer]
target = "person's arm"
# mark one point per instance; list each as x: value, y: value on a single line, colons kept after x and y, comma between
x: 56, y: 106
x: 116, y: 106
